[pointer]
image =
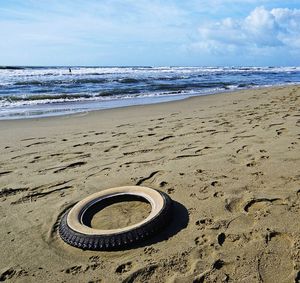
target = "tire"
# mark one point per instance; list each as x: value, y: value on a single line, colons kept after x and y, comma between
x: 73, y: 228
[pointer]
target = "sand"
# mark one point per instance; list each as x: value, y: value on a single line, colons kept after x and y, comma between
x: 230, y: 162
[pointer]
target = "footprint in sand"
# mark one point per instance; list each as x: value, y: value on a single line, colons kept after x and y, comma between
x: 125, y: 267
x: 221, y: 239
x: 110, y: 148
x: 258, y: 204
x: 280, y: 131
x: 152, y: 177
x: 8, y: 274
x: 73, y: 270
x: 241, y: 149
x: 251, y: 164
x: 150, y: 250
x: 233, y: 204
x: 275, y: 263
x: 199, y: 241
x: 13, y: 273
x: 142, y: 273
x: 70, y: 166
x: 166, y: 138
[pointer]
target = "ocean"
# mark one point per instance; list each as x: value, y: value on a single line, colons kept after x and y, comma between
x: 27, y: 92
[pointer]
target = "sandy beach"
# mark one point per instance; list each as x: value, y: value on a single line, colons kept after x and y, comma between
x: 230, y: 162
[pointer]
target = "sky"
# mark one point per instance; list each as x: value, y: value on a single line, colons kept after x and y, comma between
x: 150, y: 32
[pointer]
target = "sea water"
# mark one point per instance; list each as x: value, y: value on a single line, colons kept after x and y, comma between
x: 27, y: 92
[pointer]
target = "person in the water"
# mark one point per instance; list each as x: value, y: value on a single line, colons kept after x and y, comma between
x: 70, y: 71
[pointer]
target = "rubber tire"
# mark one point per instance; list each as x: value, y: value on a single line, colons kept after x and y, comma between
x: 117, y: 241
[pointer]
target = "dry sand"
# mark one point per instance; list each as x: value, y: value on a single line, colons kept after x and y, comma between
x: 231, y: 163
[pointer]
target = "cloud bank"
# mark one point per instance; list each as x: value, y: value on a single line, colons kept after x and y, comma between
x: 261, y: 30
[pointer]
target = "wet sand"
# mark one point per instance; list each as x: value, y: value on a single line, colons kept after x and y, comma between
x: 230, y: 162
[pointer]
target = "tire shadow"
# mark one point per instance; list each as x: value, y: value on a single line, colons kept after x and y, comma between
x: 179, y: 221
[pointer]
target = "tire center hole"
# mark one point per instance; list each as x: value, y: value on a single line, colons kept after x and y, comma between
x: 116, y: 212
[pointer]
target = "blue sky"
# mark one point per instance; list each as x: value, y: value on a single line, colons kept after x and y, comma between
x: 144, y: 32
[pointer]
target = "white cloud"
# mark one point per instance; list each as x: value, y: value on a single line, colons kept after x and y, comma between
x: 261, y: 29
x: 165, y: 32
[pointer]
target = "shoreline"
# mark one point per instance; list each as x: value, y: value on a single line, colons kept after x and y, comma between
x: 177, y: 100
x: 99, y: 105
x: 229, y: 161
